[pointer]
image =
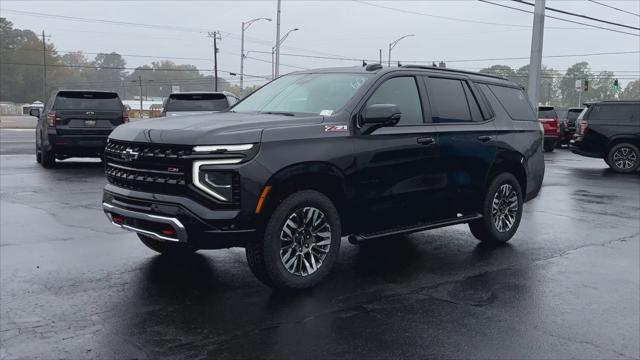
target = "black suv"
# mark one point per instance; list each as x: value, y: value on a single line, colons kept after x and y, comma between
x: 76, y: 123
x: 321, y: 154
x: 610, y: 130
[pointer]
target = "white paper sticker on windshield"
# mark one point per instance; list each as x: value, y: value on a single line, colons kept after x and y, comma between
x: 326, y: 112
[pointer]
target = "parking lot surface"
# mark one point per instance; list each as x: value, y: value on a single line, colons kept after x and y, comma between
x: 74, y: 286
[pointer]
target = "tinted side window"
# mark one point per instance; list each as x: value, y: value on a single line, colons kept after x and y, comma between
x: 476, y: 115
x: 615, y: 113
x: 448, y: 100
x: 514, y: 102
x: 403, y: 92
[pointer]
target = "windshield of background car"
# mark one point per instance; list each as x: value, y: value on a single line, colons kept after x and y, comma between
x: 320, y: 94
x: 196, y: 102
x: 547, y: 113
x: 67, y: 100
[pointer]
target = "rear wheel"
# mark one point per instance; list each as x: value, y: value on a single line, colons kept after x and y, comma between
x: 549, y: 147
x: 167, y: 247
x: 47, y: 158
x: 300, y: 242
x: 501, y: 210
x: 624, y: 158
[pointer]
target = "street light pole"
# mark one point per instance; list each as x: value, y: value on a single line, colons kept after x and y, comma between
x: 245, y: 26
x: 274, y: 52
x: 393, y: 44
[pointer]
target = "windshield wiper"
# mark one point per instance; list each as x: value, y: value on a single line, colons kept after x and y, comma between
x: 277, y: 113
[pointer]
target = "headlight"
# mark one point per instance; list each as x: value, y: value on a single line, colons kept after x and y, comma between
x: 221, y: 148
x: 215, y: 182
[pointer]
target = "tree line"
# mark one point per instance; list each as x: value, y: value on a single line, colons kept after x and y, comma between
x: 22, y: 58
x: 558, y: 89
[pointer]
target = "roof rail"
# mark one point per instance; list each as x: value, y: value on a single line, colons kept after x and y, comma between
x: 428, y: 67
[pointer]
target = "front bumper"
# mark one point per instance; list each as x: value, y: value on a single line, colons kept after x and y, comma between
x: 176, y: 218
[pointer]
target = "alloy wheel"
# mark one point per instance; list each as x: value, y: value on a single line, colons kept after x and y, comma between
x: 625, y: 158
x: 504, y: 209
x: 305, y: 241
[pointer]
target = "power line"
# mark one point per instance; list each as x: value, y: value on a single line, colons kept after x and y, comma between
x: 439, y: 16
x: 613, y: 7
x: 579, y: 15
x: 560, y: 19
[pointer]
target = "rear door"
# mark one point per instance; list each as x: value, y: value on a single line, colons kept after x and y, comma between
x: 466, y: 140
x: 87, y: 113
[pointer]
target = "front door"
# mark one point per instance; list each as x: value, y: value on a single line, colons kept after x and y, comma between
x: 397, y: 173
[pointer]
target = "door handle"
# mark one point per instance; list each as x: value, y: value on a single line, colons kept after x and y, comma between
x: 426, y: 141
x: 485, y: 138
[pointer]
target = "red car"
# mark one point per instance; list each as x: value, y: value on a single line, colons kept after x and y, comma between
x: 549, y: 118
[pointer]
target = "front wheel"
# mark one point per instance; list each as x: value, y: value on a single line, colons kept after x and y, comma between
x: 624, y: 158
x: 167, y: 247
x: 300, y: 242
x: 501, y: 210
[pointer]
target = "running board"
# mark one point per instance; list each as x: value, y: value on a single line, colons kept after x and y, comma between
x: 358, y: 238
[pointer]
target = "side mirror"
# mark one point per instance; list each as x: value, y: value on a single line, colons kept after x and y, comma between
x: 34, y: 112
x: 381, y: 114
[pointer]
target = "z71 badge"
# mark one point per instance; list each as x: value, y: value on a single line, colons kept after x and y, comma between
x: 333, y: 128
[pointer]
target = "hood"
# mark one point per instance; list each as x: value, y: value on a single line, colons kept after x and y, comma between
x: 207, y: 129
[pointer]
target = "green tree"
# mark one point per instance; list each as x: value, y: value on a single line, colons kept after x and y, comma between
x: 549, y: 92
x: 631, y: 91
x: 500, y: 70
x: 578, y: 71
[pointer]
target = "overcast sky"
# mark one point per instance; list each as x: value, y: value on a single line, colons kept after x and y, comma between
x: 353, y: 29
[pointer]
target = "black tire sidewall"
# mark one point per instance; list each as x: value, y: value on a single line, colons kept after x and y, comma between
x: 491, y: 234
x: 612, y: 164
x: 280, y: 277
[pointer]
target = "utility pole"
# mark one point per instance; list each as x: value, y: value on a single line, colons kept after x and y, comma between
x: 277, y: 52
x: 216, y: 36
x: 44, y: 68
x: 380, y: 53
x: 274, y: 66
x: 535, y: 62
x: 140, y: 82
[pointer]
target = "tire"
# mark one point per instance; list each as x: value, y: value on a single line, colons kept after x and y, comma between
x: 38, y: 155
x: 486, y: 229
x: 47, y: 158
x: 623, y: 158
x: 267, y: 254
x: 549, y: 147
x: 167, y: 247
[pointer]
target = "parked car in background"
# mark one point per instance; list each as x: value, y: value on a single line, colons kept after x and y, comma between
x: 549, y: 118
x: 76, y: 123
x: 568, y: 125
x: 317, y: 155
x: 193, y: 103
x: 610, y: 130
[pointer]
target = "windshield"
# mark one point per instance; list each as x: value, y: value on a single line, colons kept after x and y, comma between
x: 87, y: 101
x: 547, y: 113
x: 320, y: 94
x: 196, y: 102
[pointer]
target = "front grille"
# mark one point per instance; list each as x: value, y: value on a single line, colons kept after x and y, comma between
x: 160, y: 169
x: 147, y: 167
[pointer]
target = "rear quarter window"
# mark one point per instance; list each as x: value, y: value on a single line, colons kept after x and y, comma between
x: 514, y: 101
x: 87, y: 101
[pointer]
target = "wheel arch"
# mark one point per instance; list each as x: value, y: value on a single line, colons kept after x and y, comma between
x: 512, y: 163
x: 323, y: 177
x: 615, y: 140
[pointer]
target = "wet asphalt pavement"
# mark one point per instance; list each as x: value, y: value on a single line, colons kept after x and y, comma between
x: 74, y: 286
